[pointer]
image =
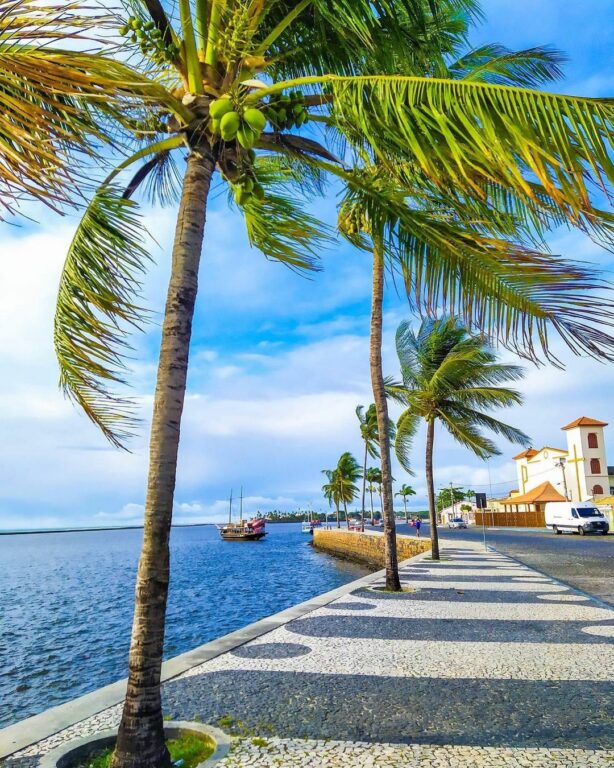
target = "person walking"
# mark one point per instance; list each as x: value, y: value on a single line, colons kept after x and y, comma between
x: 418, y: 524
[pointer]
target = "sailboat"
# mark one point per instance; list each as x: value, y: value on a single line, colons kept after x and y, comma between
x: 244, y: 530
x: 310, y: 523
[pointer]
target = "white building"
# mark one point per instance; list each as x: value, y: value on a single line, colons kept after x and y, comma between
x: 578, y: 472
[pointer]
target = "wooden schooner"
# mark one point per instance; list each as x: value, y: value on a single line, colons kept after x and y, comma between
x: 244, y: 530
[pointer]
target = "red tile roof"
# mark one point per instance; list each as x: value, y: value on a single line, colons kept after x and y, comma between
x: 544, y: 492
x: 586, y: 421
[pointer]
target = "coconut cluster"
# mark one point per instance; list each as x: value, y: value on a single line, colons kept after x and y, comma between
x: 234, y: 122
x: 285, y: 111
x: 150, y: 40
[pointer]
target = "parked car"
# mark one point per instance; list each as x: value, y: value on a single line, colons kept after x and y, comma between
x: 575, y: 516
x: 457, y: 522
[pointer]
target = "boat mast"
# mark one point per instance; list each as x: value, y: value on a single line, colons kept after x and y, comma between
x: 230, y: 509
x: 241, y: 506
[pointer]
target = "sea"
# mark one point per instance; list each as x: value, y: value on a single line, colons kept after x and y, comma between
x: 66, y: 601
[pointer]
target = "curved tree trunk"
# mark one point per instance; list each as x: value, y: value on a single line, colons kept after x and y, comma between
x: 364, y: 490
x: 430, y: 487
x: 140, y: 741
x: 381, y: 407
x: 345, y: 511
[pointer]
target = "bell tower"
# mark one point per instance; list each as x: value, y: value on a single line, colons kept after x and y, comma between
x: 586, y: 467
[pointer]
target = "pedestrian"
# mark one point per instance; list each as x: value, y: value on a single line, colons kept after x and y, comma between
x: 418, y: 524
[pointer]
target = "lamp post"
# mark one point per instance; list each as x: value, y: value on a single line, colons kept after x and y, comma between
x: 561, y: 463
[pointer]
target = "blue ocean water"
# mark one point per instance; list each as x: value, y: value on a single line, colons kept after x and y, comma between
x: 66, y: 602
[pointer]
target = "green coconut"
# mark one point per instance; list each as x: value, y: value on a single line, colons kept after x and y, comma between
x: 255, y: 119
x: 229, y: 125
x: 219, y: 108
x: 246, y: 137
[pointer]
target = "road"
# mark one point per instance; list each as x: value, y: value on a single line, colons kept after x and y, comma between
x: 585, y: 562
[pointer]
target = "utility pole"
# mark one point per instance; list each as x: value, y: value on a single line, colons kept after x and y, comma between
x: 561, y: 463
x: 453, y: 497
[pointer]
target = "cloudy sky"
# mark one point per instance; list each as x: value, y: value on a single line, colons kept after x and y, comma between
x: 278, y: 364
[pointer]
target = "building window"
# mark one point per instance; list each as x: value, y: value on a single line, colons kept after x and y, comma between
x: 597, y: 490
x: 592, y: 440
x: 595, y: 467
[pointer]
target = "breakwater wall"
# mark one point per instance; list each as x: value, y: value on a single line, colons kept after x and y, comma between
x: 365, y: 548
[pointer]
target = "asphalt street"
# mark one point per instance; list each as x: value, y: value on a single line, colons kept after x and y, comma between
x: 585, y: 562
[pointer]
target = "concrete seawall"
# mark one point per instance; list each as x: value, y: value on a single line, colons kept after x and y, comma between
x: 365, y: 548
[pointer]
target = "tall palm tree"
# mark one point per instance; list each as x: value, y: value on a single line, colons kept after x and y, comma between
x: 405, y: 491
x: 368, y: 431
x: 229, y: 87
x: 454, y: 378
x: 374, y: 478
x: 341, y: 487
x: 370, y: 435
x: 462, y: 246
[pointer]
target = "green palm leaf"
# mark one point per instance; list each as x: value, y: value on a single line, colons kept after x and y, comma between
x: 96, y: 307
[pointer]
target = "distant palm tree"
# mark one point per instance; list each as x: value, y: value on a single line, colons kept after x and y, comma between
x: 451, y: 377
x: 341, y: 488
x: 405, y: 491
x: 374, y: 478
x: 370, y: 435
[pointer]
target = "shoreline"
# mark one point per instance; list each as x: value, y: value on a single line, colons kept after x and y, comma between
x: 94, y: 529
x: 31, y: 730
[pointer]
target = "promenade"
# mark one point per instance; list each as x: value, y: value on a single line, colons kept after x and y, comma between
x: 485, y: 662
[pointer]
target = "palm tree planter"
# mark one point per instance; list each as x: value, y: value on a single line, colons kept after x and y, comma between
x: 77, y: 751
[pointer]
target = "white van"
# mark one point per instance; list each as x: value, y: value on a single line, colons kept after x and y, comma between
x: 575, y: 516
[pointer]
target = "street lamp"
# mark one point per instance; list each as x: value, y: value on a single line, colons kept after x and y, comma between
x: 561, y: 463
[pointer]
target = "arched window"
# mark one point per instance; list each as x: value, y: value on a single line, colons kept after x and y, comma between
x: 597, y: 490
x: 592, y: 440
x: 595, y: 467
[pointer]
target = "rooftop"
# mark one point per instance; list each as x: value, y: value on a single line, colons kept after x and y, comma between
x: 586, y: 421
x: 544, y: 492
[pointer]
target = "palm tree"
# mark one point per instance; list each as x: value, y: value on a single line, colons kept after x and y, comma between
x: 462, y: 246
x: 405, y: 491
x: 341, y: 487
x: 374, y: 478
x: 349, y: 473
x: 230, y: 87
x: 370, y: 435
x: 454, y: 378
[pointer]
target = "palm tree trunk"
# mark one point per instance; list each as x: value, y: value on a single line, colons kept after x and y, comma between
x: 371, y: 494
x: 430, y: 437
x: 405, y: 508
x: 347, y: 519
x: 140, y: 741
x: 364, y: 489
x: 381, y: 407
x: 338, y: 523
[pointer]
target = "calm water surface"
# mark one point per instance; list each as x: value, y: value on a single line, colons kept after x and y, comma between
x: 66, y: 602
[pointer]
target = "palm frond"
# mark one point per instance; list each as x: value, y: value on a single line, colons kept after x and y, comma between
x: 407, y: 426
x: 480, y: 419
x: 464, y: 133
x: 497, y: 64
x: 96, y: 308
x: 279, y: 226
x: 467, y: 434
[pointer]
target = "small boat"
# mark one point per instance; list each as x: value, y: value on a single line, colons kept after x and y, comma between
x: 308, y: 525
x: 244, y: 530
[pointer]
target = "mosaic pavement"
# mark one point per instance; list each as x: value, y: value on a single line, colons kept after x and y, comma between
x: 484, y: 663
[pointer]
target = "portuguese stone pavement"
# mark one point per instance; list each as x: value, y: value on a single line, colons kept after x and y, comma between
x: 480, y: 662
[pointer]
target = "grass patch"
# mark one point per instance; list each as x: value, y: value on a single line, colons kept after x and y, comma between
x: 189, y: 747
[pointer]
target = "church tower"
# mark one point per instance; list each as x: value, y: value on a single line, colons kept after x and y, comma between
x: 586, y: 468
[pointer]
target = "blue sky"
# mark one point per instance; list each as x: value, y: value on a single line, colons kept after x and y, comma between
x: 279, y: 362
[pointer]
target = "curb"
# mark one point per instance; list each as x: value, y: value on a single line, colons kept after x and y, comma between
x: 27, y: 732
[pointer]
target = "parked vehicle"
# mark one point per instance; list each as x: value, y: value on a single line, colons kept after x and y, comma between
x: 575, y: 516
x: 457, y: 522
